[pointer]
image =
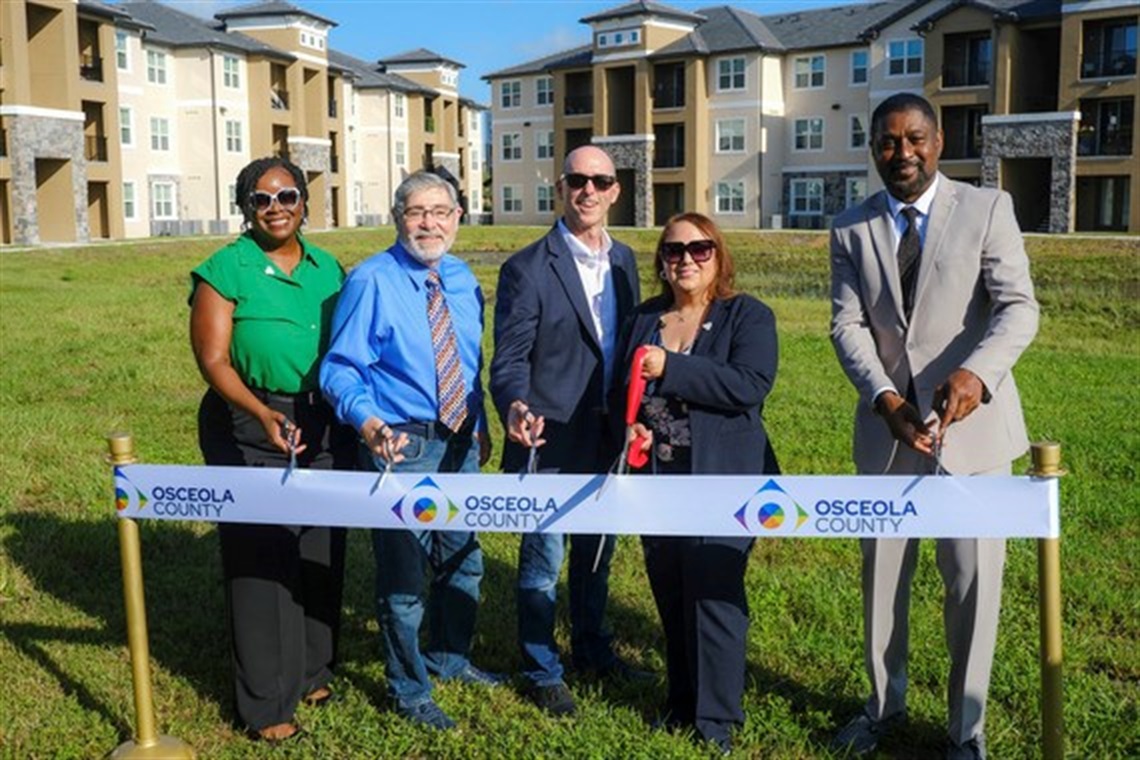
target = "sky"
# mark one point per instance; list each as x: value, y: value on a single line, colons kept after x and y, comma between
x: 484, y: 35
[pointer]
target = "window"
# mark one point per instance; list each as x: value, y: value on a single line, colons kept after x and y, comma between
x: 1106, y: 127
x: 809, y: 71
x: 130, y: 210
x: 512, y: 147
x: 857, y: 133
x: 510, y: 94
x: 233, y: 136
x: 856, y: 190
x: 730, y: 136
x: 401, y: 153
x: 230, y: 73
x: 474, y: 121
x: 126, y: 127
x: 231, y: 193
x: 730, y: 74
x: 399, y: 105
x: 155, y: 67
x: 512, y: 199
x: 544, y: 145
x: 474, y: 159
x: 808, y: 134
x: 904, y: 57
x: 1103, y: 203
x: 619, y: 37
x: 544, y: 91
x: 1108, y: 47
x: 962, y: 131
x: 730, y: 197
x: 860, y: 66
x: 967, y: 60
x: 545, y: 199
x: 122, y: 51
x: 159, y: 133
x: 162, y: 200
x: 669, y: 85
x: 807, y: 196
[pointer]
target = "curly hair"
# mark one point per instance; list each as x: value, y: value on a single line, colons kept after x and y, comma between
x: 248, y: 178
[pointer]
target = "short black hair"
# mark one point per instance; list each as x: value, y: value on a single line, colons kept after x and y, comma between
x: 901, y: 101
x: 248, y: 178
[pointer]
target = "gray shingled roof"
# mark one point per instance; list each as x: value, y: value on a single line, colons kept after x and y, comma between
x: 579, y: 56
x: 368, y: 76
x: 177, y: 29
x: 642, y: 8
x: 270, y: 8
x: 832, y: 27
x: 1005, y: 10
x: 420, y: 55
x: 726, y: 29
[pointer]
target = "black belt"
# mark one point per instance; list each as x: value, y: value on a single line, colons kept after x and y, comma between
x: 433, y: 431
x: 304, y: 398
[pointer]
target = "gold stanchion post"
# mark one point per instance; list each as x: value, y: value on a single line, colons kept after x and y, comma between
x: 147, y: 743
x: 1047, y: 464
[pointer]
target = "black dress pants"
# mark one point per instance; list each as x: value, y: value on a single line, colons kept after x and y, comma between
x: 283, y: 583
x: 698, y: 584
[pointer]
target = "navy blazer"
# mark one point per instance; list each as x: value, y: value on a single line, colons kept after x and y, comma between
x: 724, y: 380
x: 547, y: 352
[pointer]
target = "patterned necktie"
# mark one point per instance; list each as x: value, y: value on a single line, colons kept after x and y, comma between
x: 910, y: 249
x: 449, y: 385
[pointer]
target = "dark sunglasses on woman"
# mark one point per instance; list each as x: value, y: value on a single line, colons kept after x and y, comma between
x: 287, y: 198
x: 602, y: 182
x: 700, y: 250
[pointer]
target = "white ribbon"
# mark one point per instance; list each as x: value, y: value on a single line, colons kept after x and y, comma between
x: 781, y: 506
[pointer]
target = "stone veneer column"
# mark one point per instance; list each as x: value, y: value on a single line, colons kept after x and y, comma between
x: 634, y: 152
x: 1036, y: 135
x: 32, y: 137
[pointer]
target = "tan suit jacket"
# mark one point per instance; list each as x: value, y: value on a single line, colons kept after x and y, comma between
x: 974, y: 308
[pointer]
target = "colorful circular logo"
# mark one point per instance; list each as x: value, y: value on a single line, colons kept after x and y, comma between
x: 425, y: 509
x: 122, y: 499
x: 771, y: 515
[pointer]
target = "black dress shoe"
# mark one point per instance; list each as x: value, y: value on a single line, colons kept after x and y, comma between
x: 554, y: 699
x: 620, y: 670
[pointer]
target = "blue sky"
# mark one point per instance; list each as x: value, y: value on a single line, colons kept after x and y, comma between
x: 485, y: 35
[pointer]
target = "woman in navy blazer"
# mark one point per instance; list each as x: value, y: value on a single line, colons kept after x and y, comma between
x: 710, y: 363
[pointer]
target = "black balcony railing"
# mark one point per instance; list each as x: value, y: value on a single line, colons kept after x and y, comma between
x: 579, y: 104
x: 279, y: 100
x: 91, y: 67
x: 95, y: 147
x: 332, y: 109
x: 429, y: 123
x: 334, y: 163
x: 665, y: 157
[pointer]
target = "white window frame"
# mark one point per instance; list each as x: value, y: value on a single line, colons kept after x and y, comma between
x: 906, y: 56
x: 731, y: 74
x: 401, y: 151
x: 808, y: 120
x: 510, y: 146
x: 544, y: 199
x: 852, y: 120
x: 722, y: 132
x: 848, y: 184
x: 231, y: 72
x: 730, y: 195
x: 866, y: 68
x: 122, y: 50
x: 234, y: 140
x: 126, y: 126
x: 475, y: 160
x: 544, y: 149
x: 512, y: 194
x: 160, y: 133
x: 156, y: 68
x: 398, y: 106
x: 130, y: 201
x: 155, y: 209
x: 510, y: 94
x: 804, y: 183
x: 544, y: 91
x: 808, y: 62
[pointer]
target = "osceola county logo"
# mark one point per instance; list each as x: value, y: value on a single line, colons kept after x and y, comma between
x: 123, y: 495
x: 425, y: 503
x: 772, y: 507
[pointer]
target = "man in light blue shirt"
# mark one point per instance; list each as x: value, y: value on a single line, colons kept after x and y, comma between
x: 403, y: 370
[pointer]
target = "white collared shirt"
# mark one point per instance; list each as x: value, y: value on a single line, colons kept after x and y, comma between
x: 594, y: 271
x: 922, y: 205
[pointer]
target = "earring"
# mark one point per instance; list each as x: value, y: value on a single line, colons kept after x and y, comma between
x: 662, y: 275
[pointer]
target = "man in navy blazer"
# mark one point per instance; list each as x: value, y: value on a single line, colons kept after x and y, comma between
x: 559, y: 305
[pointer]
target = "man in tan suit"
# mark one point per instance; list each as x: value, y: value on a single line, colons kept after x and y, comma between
x: 931, y: 307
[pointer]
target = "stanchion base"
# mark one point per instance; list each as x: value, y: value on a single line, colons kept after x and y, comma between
x: 164, y: 748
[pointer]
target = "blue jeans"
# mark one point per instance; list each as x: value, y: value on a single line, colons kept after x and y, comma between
x: 540, y: 560
x: 403, y: 558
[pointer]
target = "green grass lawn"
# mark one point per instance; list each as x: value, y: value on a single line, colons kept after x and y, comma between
x: 95, y: 339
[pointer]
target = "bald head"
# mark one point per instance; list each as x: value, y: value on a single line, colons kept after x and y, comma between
x: 588, y: 155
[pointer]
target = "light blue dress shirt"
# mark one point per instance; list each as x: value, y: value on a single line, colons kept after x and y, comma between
x: 380, y: 361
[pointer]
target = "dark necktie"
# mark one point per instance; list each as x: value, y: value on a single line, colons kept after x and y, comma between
x: 450, y: 390
x: 910, y: 250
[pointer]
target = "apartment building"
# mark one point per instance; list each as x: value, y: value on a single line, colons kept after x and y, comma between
x: 763, y: 120
x: 134, y: 119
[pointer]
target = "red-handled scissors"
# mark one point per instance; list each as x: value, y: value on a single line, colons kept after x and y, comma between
x: 635, y: 455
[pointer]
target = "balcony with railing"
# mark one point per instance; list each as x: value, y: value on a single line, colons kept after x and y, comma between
x: 332, y: 108
x: 95, y: 147
x: 429, y: 124
x: 669, y: 146
x: 279, y: 100
x: 1109, y: 48
x: 3, y: 143
x: 579, y: 100
x: 1106, y: 127
x: 669, y: 85
x: 91, y: 67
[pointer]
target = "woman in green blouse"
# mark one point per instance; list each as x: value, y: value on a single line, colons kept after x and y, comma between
x: 259, y: 323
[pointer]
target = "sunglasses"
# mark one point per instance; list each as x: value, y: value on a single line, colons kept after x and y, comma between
x: 673, y: 252
x: 602, y: 182
x: 287, y: 198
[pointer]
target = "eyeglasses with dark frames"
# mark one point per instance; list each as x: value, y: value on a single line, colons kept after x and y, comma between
x: 602, y: 182
x: 673, y: 252
x: 287, y: 198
